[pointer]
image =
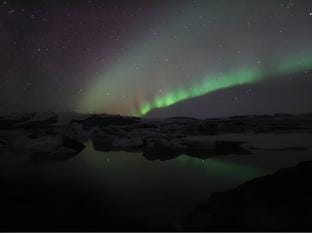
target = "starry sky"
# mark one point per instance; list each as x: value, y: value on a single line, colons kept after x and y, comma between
x: 156, y: 58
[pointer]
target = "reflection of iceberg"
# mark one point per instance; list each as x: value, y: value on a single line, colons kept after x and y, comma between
x: 161, y: 148
x: 199, y: 148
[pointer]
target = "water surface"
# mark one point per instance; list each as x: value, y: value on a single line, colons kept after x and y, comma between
x: 156, y: 193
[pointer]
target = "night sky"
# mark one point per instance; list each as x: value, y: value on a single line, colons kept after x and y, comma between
x: 163, y: 58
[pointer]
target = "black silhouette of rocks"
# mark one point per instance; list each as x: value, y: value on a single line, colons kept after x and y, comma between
x: 168, y: 138
x: 277, y: 202
x: 106, y: 120
x: 44, y: 145
x: 9, y: 121
x: 39, y: 120
x: 163, y: 139
x: 30, y: 120
x: 278, y: 123
x: 37, y: 135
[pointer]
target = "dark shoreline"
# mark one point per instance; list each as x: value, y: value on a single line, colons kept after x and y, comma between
x: 276, y: 202
x: 45, y: 138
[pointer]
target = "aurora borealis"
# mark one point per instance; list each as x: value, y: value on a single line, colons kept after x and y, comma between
x: 155, y: 115
x: 208, y: 85
x: 211, y: 84
x: 132, y: 58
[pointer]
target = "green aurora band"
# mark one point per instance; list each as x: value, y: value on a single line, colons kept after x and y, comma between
x: 160, y: 69
x: 208, y: 85
x: 214, y: 83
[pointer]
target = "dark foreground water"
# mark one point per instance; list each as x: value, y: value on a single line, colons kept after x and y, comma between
x: 104, y: 191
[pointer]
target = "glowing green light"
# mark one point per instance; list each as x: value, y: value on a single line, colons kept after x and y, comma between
x: 145, y: 109
x: 213, y: 83
x: 149, y: 63
x: 209, y: 84
x: 294, y: 64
